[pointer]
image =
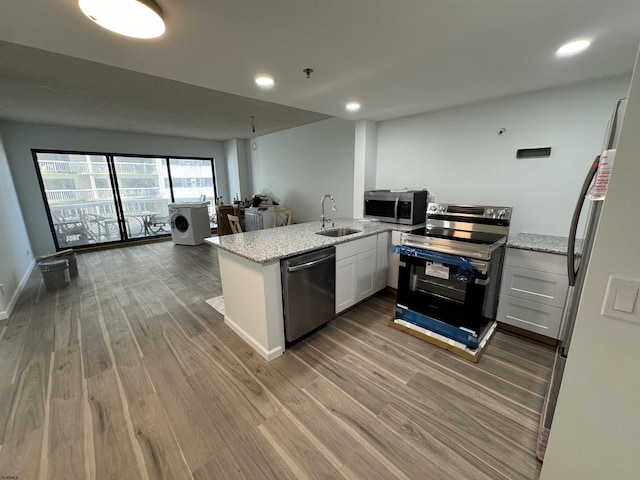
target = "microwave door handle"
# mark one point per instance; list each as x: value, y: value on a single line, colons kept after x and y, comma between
x: 396, y: 208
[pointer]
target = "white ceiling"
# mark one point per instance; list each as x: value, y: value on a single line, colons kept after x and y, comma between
x: 396, y: 58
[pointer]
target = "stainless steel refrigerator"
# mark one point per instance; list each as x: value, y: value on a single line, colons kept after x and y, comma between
x: 585, y: 218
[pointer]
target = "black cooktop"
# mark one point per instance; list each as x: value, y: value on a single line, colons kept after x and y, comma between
x: 458, y: 235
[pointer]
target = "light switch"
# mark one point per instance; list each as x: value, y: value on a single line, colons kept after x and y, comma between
x: 625, y: 299
x: 621, y: 298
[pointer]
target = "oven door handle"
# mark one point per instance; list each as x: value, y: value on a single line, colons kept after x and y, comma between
x: 395, y: 208
x: 435, y: 256
x: 440, y: 257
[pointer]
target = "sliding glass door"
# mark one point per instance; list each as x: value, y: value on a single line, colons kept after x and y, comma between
x: 80, y: 198
x: 105, y: 198
x: 145, y: 195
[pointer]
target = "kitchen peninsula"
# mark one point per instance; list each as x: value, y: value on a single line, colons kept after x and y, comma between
x: 251, y: 280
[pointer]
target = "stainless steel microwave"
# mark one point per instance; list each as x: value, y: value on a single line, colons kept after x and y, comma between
x: 406, y: 207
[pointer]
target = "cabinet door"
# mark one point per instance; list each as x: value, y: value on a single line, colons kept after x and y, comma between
x: 346, y: 282
x: 365, y: 271
x: 382, y: 260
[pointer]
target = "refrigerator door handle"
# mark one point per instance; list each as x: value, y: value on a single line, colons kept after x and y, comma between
x: 571, y: 269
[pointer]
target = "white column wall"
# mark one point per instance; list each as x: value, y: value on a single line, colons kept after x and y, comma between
x: 364, y: 163
x: 233, y: 174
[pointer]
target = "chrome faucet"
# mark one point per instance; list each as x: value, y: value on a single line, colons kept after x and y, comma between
x: 333, y: 209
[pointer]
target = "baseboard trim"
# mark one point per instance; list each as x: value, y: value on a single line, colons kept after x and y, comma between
x: 264, y: 353
x: 525, y: 333
x: 4, y: 314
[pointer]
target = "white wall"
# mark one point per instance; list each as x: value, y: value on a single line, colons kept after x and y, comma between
x: 15, y: 261
x: 20, y: 138
x: 301, y: 164
x: 459, y: 156
x: 596, y: 428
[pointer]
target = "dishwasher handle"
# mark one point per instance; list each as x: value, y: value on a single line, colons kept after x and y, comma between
x: 310, y: 264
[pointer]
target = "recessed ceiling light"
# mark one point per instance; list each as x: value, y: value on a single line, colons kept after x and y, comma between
x: 264, y: 81
x: 132, y: 18
x: 573, y: 48
x: 353, y: 106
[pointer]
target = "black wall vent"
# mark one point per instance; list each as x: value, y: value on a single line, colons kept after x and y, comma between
x: 533, y: 152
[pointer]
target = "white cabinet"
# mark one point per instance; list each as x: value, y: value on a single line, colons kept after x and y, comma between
x: 533, y: 292
x: 358, y: 272
x: 365, y: 274
x: 346, y: 277
x: 393, y: 261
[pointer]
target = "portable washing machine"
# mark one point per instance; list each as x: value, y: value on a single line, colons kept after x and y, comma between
x: 189, y: 223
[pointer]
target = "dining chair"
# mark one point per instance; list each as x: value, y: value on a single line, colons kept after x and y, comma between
x: 69, y: 231
x: 283, y: 217
x: 157, y: 223
x: 93, y: 225
x: 234, y: 221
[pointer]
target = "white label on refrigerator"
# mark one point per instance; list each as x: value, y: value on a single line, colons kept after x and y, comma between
x: 598, y: 189
x: 437, y: 270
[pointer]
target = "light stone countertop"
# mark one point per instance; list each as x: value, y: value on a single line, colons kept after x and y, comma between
x: 542, y: 243
x: 271, y: 244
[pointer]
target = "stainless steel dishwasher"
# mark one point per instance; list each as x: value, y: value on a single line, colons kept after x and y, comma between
x: 309, y: 291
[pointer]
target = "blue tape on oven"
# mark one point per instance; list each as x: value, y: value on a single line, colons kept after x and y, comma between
x: 465, y: 337
x: 465, y: 269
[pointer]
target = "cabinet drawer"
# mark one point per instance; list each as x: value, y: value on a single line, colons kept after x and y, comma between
x: 543, y: 262
x: 531, y: 316
x: 535, y: 286
x: 354, y: 247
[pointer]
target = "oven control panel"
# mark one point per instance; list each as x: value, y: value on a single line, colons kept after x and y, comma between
x: 472, y: 212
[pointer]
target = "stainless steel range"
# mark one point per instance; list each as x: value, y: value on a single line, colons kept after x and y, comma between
x: 450, y: 270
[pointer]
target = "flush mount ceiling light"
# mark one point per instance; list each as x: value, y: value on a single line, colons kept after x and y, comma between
x: 264, y: 81
x: 353, y: 106
x: 132, y: 18
x: 573, y: 48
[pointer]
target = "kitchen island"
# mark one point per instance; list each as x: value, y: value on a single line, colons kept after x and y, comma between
x: 250, y: 274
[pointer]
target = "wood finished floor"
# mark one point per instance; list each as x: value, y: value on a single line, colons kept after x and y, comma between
x: 129, y: 374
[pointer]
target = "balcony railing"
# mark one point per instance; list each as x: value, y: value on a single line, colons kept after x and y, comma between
x: 60, y: 166
x: 100, y: 194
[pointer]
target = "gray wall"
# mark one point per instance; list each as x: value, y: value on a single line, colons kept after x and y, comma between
x: 459, y: 156
x: 596, y: 428
x: 301, y: 164
x: 20, y: 138
x: 15, y: 259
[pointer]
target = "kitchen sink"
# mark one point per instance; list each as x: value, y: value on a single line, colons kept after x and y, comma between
x: 337, y: 232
